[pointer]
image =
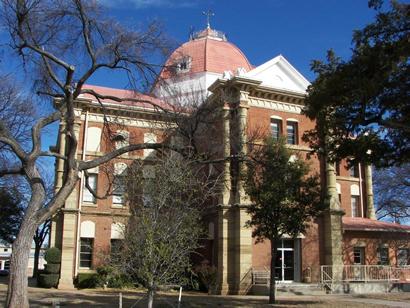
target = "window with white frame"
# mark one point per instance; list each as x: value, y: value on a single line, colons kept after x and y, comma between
x: 403, y: 257
x: 292, y: 132
x: 355, y: 200
x: 120, y: 170
x: 117, y: 237
x: 87, y: 234
x: 92, y: 182
x: 383, y: 256
x: 276, y: 128
x: 358, y: 255
x: 183, y: 65
x: 121, y: 139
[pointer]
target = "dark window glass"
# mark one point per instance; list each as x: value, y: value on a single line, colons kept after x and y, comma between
x: 383, y: 255
x: 288, y: 243
x: 358, y: 255
x: 86, y: 252
x: 292, y: 132
x: 276, y: 128
x: 115, y: 248
x: 354, y: 171
x: 118, y: 190
x: 403, y: 257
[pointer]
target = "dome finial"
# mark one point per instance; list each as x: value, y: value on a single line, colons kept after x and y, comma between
x: 208, y: 15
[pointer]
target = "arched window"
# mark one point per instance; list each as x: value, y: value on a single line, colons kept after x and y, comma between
x: 93, y: 139
x: 87, y: 234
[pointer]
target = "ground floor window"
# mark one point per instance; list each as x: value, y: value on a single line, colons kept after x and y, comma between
x: 358, y: 255
x: 115, y: 248
x: 383, y: 255
x: 86, y: 252
x: 403, y: 257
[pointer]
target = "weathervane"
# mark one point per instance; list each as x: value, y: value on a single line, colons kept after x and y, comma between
x: 208, y: 15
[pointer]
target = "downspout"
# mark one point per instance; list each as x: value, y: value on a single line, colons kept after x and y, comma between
x: 80, y: 197
x: 361, y: 189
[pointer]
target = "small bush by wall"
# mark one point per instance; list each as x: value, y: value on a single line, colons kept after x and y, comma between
x: 86, y: 280
x: 51, y: 274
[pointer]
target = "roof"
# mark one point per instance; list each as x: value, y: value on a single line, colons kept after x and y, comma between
x: 208, y: 51
x: 137, y: 99
x: 366, y: 224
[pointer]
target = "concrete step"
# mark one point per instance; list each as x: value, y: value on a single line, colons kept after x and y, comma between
x: 289, y: 289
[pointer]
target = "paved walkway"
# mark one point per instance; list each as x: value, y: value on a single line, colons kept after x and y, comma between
x: 110, y: 298
x: 373, y: 302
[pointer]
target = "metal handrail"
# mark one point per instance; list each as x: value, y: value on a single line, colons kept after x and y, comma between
x: 363, y: 273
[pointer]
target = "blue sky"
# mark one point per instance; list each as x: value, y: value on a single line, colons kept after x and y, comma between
x: 300, y: 30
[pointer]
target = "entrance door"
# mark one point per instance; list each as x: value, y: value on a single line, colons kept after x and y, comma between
x: 284, y: 265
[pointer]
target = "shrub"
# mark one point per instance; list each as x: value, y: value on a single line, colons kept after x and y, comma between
x: 39, y: 272
x: 53, y: 255
x: 51, y: 268
x: 207, y: 276
x: 87, y: 280
x: 48, y: 280
x: 109, y: 278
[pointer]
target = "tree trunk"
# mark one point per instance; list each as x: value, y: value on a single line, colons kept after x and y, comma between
x: 17, y: 296
x: 150, y: 302
x: 36, y: 259
x: 272, y: 289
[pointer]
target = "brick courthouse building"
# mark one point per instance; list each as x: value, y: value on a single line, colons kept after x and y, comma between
x: 267, y: 97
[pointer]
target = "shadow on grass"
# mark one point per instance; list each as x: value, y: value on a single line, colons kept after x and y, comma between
x: 100, y: 298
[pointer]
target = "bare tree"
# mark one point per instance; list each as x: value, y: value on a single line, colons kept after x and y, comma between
x: 167, y: 200
x: 62, y: 44
x: 392, y: 193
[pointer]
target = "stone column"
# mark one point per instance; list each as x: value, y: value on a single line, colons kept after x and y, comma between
x: 234, y: 240
x: 226, y: 189
x: 243, y: 242
x: 69, y: 234
x: 333, y: 224
x: 369, y: 192
x: 242, y: 134
x: 55, y: 232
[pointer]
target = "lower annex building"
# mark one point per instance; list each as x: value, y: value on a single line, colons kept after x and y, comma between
x: 268, y: 97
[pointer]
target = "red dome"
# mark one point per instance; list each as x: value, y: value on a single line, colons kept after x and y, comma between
x: 207, y: 51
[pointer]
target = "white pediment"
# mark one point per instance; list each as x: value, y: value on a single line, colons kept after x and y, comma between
x: 278, y: 73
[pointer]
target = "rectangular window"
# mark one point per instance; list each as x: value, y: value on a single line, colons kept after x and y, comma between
x: 276, y: 128
x: 86, y: 252
x: 355, y: 206
x: 115, y: 248
x: 354, y: 171
x: 358, y: 255
x: 292, y: 132
x: 403, y: 257
x: 118, y: 190
x: 92, y: 181
x: 383, y: 255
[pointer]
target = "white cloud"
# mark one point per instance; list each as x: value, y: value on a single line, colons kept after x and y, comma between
x: 149, y: 3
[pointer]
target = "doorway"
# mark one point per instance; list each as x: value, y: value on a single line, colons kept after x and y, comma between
x: 286, y: 264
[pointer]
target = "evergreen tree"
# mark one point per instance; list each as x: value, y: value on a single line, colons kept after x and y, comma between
x: 362, y: 103
x: 285, y: 198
